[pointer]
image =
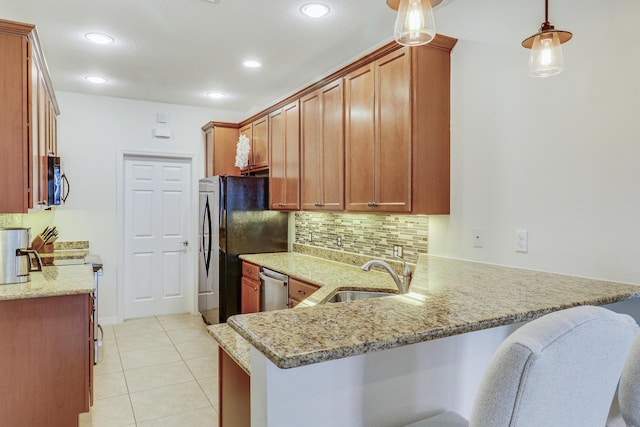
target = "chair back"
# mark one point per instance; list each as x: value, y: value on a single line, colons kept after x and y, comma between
x: 629, y: 389
x: 559, y: 370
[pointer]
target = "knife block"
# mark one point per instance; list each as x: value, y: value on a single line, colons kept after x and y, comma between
x: 47, y: 248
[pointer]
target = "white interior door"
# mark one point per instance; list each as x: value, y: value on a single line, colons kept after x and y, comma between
x: 157, y: 214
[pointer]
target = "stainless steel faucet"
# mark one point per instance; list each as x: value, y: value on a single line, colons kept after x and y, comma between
x: 403, y: 285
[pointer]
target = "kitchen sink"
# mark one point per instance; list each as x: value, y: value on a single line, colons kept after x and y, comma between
x: 346, y: 296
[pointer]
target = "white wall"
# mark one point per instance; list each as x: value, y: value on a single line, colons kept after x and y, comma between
x: 557, y: 156
x: 91, y: 131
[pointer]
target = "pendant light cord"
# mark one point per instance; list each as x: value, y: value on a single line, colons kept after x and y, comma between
x: 546, y: 10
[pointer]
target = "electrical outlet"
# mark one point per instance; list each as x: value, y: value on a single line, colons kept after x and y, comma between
x: 339, y: 241
x: 478, y: 237
x: 397, y: 250
x: 522, y: 241
x: 310, y: 237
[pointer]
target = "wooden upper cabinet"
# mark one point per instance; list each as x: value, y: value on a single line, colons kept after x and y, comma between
x: 247, y: 130
x: 378, y: 135
x: 322, y: 148
x: 284, y: 170
x: 258, y: 134
x: 373, y: 136
x: 28, y: 126
x: 260, y: 144
x: 220, y: 148
x: 397, y: 132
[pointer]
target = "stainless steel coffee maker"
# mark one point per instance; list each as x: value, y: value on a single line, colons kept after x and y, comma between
x: 15, y: 260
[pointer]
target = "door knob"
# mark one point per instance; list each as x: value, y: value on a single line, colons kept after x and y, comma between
x: 185, y: 243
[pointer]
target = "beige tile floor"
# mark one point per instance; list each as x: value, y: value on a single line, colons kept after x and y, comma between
x: 156, y: 372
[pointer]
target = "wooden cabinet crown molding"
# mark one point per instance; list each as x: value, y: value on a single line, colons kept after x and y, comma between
x: 38, y: 57
x: 213, y: 124
x: 440, y: 42
x: 30, y: 31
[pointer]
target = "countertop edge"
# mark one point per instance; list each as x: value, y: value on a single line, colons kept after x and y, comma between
x: 218, y: 334
x: 52, y: 281
x: 289, y: 362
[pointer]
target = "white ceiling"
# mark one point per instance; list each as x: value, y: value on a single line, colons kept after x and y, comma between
x: 175, y: 51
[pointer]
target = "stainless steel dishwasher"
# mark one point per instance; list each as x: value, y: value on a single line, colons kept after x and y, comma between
x: 275, y: 290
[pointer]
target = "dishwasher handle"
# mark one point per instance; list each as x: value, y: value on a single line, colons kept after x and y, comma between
x: 267, y: 274
x: 279, y: 281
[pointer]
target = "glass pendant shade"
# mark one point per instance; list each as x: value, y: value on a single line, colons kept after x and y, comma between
x: 546, y: 59
x: 414, y: 24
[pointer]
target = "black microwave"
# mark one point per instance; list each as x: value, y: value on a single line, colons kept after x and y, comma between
x: 55, y: 178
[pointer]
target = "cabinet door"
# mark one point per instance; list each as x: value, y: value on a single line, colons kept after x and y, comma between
x: 332, y: 166
x: 208, y: 152
x: 248, y: 132
x: 250, y: 296
x: 299, y: 290
x: 14, y: 162
x: 224, y: 150
x: 284, y: 170
x: 393, y: 132
x: 291, y: 190
x: 322, y: 149
x: 260, y: 143
x: 378, y: 135
x: 310, y: 151
x: 359, y: 138
x: 277, y: 161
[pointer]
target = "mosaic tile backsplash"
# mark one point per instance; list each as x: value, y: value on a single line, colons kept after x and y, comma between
x: 369, y: 235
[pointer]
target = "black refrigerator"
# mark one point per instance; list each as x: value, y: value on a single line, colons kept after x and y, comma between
x: 234, y: 219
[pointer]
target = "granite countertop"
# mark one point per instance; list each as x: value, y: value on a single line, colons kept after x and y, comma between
x: 233, y: 344
x: 329, y: 275
x: 448, y: 297
x: 52, y: 281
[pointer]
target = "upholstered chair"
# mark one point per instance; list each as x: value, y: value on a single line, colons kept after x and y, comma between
x: 559, y: 370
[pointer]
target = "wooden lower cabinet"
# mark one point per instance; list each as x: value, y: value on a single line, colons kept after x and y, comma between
x: 299, y: 291
x: 46, y: 365
x: 234, y: 393
x: 250, y: 289
x: 250, y: 296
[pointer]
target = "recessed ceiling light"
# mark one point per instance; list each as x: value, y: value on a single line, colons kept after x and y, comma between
x: 96, y: 79
x: 252, y: 64
x: 99, y: 38
x: 314, y: 10
x: 216, y: 95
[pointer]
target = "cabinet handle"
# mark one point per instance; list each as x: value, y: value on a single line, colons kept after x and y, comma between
x: 370, y: 204
x: 255, y: 289
x: 301, y: 292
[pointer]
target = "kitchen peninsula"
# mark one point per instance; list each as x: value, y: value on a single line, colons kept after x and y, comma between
x: 436, y: 340
x: 46, y: 361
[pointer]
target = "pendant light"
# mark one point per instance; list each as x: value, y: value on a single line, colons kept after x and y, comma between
x: 414, y: 24
x: 545, y: 59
